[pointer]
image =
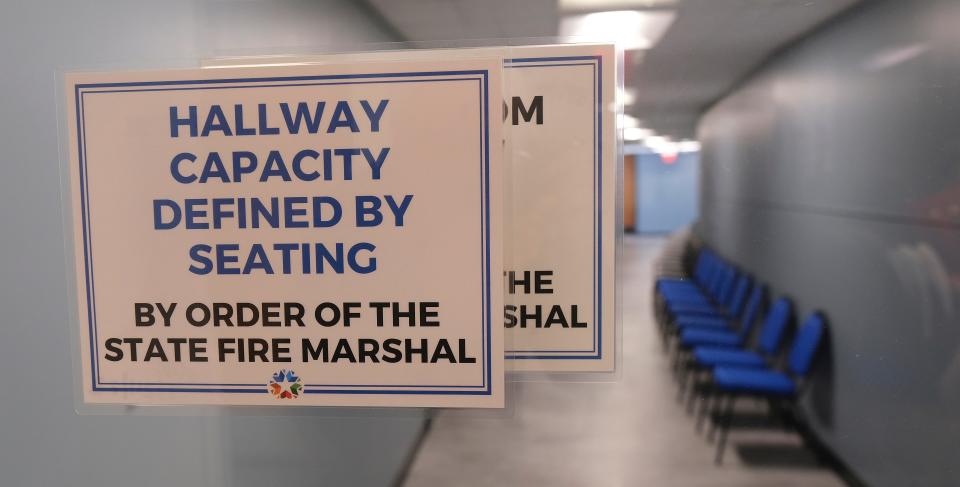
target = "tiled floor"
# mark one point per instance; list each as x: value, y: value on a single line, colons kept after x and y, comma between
x: 629, y: 432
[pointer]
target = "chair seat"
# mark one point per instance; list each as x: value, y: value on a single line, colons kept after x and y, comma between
x: 693, y: 337
x: 691, y: 295
x: 685, y: 303
x: 675, y: 282
x: 705, y: 309
x: 720, y: 356
x: 701, y: 321
x: 759, y: 381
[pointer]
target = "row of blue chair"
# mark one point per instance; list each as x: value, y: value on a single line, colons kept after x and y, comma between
x: 708, y: 322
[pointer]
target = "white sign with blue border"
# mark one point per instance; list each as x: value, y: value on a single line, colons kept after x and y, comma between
x: 312, y: 235
x: 560, y: 286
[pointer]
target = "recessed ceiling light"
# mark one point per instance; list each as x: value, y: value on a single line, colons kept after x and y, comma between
x: 629, y: 121
x: 630, y: 29
x: 636, y: 133
x: 688, y: 146
x: 585, y: 5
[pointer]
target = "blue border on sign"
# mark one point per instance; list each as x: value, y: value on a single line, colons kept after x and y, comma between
x: 596, y: 352
x: 481, y: 76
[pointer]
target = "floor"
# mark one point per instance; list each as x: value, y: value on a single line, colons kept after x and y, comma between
x: 629, y: 431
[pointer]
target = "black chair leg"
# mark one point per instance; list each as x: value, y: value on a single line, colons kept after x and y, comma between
x: 705, y: 406
x: 665, y: 334
x: 725, y: 421
x: 694, y: 391
x: 677, y: 357
x: 787, y: 419
x: 714, y: 413
x: 682, y: 386
x: 771, y: 412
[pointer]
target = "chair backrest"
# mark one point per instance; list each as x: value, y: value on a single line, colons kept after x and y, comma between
x: 716, y: 279
x: 726, y: 290
x: 774, y: 326
x: 751, y: 311
x: 739, y: 296
x: 708, y: 271
x: 700, y: 268
x: 805, y: 344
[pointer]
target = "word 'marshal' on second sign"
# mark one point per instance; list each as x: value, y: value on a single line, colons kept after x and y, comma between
x: 537, y: 315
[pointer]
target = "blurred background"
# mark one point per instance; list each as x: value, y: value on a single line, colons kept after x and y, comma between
x: 806, y: 148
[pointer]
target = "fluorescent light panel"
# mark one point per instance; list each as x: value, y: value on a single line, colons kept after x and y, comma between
x: 630, y: 29
x: 583, y: 5
x: 632, y: 134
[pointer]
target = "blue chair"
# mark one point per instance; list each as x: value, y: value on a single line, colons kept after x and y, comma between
x: 701, y: 275
x: 685, y: 290
x: 701, y: 293
x: 695, y: 335
x: 716, y: 279
x: 683, y: 322
x: 706, y: 264
x: 714, y: 332
x: 720, y: 318
x: 771, y: 334
x: 705, y: 356
x: 717, y: 304
x: 707, y: 269
x: 775, y: 386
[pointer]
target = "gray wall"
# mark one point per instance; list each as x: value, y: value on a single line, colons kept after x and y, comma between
x: 833, y: 174
x: 43, y: 441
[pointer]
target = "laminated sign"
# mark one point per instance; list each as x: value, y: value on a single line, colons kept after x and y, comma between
x: 560, y: 114
x: 312, y: 235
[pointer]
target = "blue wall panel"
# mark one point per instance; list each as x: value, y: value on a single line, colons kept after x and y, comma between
x: 667, y: 194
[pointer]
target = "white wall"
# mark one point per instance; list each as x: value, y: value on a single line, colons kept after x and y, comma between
x: 43, y: 441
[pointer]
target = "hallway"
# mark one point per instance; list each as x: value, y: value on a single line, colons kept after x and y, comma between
x: 631, y: 432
